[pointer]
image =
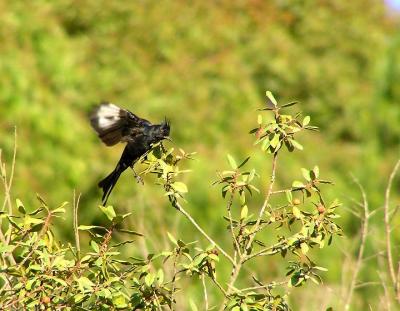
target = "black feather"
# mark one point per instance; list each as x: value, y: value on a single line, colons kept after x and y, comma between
x: 113, y: 125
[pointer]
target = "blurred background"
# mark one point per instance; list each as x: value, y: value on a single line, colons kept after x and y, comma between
x: 206, y: 66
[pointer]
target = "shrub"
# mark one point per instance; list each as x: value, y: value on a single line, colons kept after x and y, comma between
x: 40, y: 272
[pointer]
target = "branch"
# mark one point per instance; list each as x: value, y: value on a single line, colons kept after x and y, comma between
x: 235, y: 241
x: 271, y: 250
x: 179, y: 207
x: 364, y: 233
x: 265, y: 204
x: 244, y: 257
x: 203, y: 282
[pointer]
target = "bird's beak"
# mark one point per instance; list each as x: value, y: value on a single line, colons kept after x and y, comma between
x: 168, y: 138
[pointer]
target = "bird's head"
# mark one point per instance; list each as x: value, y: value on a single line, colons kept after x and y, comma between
x: 165, y: 128
x: 161, y: 131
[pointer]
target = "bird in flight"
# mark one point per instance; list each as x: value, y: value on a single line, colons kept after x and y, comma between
x: 113, y: 125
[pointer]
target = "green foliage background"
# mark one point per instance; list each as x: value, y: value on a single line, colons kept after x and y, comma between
x: 205, y: 65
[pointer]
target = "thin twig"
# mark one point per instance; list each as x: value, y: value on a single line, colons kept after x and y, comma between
x: 219, y: 286
x: 243, y: 258
x: 76, y: 231
x: 7, y: 185
x: 364, y: 233
x: 190, y: 218
x: 203, y: 282
x: 176, y: 257
x: 271, y: 250
x: 267, y: 286
x: 266, y: 201
x: 235, y: 241
x: 365, y: 284
x: 387, y: 230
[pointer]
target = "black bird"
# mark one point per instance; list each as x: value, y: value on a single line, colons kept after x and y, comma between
x: 113, y: 125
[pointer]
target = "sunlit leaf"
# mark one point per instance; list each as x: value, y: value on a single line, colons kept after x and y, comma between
x: 20, y: 206
x: 244, y: 212
x: 108, y: 211
x: 297, y: 184
x: 304, y: 248
x: 296, y: 212
x: 306, y: 174
x: 232, y: 161
x: 172, y: 239
x: 297, y: 145
x: 306, y: 121
x: 271, y: 101
x: 180, y: 187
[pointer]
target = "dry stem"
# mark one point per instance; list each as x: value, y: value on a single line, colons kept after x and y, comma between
x: 76, y: 231
x: 364, y: 233
x: 387, y: 230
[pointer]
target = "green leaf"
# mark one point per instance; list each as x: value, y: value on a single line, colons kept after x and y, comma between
x: 306, y: 121
x: 78, y: 297
x: 119, y: 301
x: 172, y: 239
x: 29, y: 284
x: 213, y: 257
x: 316, y: 171
x: 296, y: 212
x: 289, y: 196
x: 232, y: 161
x: 242, y: 198
x: 320, y: 268
x: 149, y: 279
x: 304, y: 248
x: 13, y: 223
x: 180, y: 187
x: 289, y: 104
x: 20, y: 206
x: 244, y: 162
x: 84, y: 284
x: 31, y: 220
x: 87, y: 228
x: 271, y: 99
x: 259, y: 119
x: 297, y: 145
x: 130, y: 232
x: 297, y: 184
x: 251, y: 175
x: 160, y: 276
x: 244, y: 212
x: 306, y: 174
x: 58, y: 280
x: 274, y: 141
x: 61, y: 208
x: 108, y: 211
x: 265, y: 144
x: 314, y: 280
x: 94, y: 246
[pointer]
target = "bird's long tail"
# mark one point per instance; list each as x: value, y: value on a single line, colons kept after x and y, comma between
x: 108, y: 183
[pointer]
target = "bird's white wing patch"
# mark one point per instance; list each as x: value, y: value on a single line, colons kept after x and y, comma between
x: 107, y: 115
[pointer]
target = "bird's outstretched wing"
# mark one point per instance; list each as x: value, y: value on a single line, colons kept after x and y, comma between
x: 114, y: 124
